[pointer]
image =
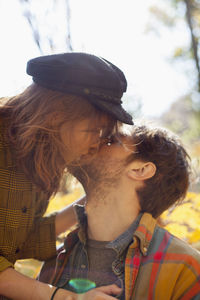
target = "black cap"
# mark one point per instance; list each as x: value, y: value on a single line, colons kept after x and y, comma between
x: 90, y: 76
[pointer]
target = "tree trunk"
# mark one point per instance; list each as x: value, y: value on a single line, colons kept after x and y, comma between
x: 68, y: 15
x: 194, y: 44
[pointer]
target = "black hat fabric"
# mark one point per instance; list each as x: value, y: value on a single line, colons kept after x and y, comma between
x: 83, y: 74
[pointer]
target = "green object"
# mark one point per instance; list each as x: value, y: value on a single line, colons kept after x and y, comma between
x: 81, y: 285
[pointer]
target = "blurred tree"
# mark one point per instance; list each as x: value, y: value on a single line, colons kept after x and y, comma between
x: 193, y: 21
x: 49, y: 35
x: 171, y: 14
x: 183, y: 118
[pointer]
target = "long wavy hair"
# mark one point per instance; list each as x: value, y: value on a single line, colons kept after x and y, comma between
x: 34, y: 119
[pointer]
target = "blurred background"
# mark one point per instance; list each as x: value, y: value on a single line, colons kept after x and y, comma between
x: 157, y: 45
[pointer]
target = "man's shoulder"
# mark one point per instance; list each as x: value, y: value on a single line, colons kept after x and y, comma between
x: 172, y: 247
x: 158, y: 242
x: 169, y: 266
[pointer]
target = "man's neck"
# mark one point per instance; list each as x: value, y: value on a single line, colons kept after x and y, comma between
x: 110, y: 214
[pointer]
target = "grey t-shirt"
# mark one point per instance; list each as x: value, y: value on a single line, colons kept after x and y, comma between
x: 100, y: 262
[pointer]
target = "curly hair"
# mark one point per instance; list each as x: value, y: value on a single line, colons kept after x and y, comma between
x: 34, y: 118
x: 171, y: 180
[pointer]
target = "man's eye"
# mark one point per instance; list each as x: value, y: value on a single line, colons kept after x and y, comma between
x: 113, y: 139
x: 110, y: 140
x: 109, y: 143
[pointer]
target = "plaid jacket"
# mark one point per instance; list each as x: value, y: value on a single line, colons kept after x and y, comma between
x: 158, y: 265
x: 24, y: 233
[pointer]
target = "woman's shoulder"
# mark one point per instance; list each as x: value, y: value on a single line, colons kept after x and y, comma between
x: 3, y: 126
x: 5, y: 149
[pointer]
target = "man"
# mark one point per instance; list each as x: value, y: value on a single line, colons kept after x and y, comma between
x: 129, y: 183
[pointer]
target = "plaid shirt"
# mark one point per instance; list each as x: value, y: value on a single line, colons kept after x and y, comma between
x: 24, y: 233
x: 157, y: 266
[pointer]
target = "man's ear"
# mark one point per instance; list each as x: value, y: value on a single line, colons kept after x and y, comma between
x: 139, y: 170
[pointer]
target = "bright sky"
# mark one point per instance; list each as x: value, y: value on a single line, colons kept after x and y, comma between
x: 113, y: 29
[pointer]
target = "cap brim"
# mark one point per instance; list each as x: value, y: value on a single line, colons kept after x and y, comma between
x: 115, y: 110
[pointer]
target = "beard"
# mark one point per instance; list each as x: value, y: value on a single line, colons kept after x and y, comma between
x: 99, y: 175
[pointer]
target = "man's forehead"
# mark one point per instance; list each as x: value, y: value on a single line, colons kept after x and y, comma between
x: 127, y: 142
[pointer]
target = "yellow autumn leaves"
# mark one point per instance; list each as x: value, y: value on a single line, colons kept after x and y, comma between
x: 184, y: 220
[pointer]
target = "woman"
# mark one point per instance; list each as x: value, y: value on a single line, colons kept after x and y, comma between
x: 73, y: 104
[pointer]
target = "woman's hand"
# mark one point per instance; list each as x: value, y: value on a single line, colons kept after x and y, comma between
x: 101, y: 293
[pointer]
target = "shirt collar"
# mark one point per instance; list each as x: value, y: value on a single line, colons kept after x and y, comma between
x: 122, y: 241
x: 145, y: 231
x: 142, y: 228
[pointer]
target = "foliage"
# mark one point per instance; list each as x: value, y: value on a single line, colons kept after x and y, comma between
x: 183, y: 220
x: 61, y: 201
